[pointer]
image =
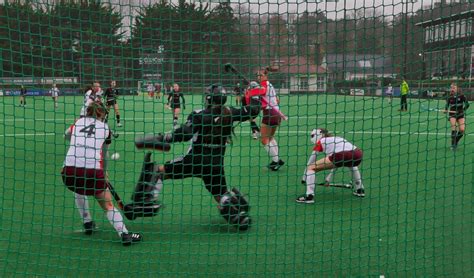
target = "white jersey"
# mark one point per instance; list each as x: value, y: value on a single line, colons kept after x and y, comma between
x: 331, y: 145
x: 389, y: 90
x: 88, y: 136
x: 89, y: 98
x: 270, y: 98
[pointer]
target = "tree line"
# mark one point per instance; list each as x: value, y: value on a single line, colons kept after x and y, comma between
x: 191, y: 41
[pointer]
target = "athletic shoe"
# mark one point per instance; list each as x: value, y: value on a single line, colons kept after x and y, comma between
x: 453, y: 147
x: 274, y: 166
x: 359, y: 193
x: 89, y: 228
x: 119, y: 124
x: 305, y: 199
x: 128, y: 239
x: 255, y: 135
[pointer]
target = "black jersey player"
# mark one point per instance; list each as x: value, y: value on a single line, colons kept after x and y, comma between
x: 456, y: 106
x: 110, y: 96
x: 175, y: 97
x: 209, y: 131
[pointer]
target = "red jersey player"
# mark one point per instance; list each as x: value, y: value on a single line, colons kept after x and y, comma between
x: 271, y: 119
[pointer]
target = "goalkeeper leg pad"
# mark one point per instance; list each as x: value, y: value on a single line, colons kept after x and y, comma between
x: 132, y: 211
x: 244, y: 203
x: 145, y: 189
x: 233, y: 212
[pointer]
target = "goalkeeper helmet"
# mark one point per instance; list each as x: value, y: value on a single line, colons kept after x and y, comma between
x: 317, y: 134
x: 216, y: 95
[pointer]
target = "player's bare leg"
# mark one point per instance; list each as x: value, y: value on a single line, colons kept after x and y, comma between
x: 454, y: 132
x: 319, y: 165
x: 267, y: 134
x: 176, y: 112
x: 117, y: 114
x: 329, y: 177
x: 461, y: 126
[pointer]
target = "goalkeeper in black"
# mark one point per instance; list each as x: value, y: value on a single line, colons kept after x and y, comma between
x: 209, y: 131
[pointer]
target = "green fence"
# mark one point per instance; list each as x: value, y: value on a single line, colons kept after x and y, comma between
x: 332, y: 64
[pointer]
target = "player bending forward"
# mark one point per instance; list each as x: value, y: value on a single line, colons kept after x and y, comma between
x: 209, y: 130
x: 83, y: 171
x: 339, y: 153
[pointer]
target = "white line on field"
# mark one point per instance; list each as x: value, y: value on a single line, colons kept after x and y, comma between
x: 248, y: 132
x: 348, y: 117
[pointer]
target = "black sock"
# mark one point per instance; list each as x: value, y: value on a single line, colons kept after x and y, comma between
x: 453, y: 137
x: 254, y: 127
x: 118, y: 118
x: 459, y: 135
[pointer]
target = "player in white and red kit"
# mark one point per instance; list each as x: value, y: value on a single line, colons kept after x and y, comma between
x: 271, y: 119
x: 83, y: 172
x: 92, y: 94
x: 339, y: 153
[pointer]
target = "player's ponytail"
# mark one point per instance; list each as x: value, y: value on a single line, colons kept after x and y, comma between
x: 326, y: 133
x: 96, y: 110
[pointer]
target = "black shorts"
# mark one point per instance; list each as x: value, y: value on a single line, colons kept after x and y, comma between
x: 175, y: 105
x: 456, y: 116
x: 111, y: 102
x: 209, y: 168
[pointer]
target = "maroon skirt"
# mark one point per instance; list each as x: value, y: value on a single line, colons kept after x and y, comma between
x: 347, y: 158
x: 84, y: 181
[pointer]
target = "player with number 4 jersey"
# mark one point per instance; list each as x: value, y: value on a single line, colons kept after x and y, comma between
x: 84, y: 174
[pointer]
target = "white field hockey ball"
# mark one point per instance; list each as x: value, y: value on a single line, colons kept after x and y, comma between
x: 115, y: 156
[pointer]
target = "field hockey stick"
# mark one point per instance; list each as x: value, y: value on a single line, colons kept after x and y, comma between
x: 115, y: 195
x: 338, y: 185
x: 228, y: 67
x: 424, y: 108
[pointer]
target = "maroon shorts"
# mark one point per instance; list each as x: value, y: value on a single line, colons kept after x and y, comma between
x: 271, y: 117
x: 347, y: 158
x: 84, y: 181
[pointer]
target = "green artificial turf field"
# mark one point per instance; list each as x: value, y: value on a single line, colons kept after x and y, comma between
x: 416, y: 218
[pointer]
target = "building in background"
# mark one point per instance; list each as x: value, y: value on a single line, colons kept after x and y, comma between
x: 448, y: 46
x: 358, y: 66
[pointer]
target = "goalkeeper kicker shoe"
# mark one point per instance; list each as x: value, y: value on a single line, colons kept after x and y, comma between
x: 128, y: 239
x: 359, y: 193
x: 89, y: 228
x: 305, y: 199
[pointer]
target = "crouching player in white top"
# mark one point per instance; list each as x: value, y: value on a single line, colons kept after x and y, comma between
x: 339, y: 153
x: 83, y: 171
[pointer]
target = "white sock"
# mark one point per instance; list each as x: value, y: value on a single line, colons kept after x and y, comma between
x: 82, y: 205
x: 310, y: 182
x: 272, y: 149
x: 328, y: 178
x: 158, y: 187
x: 357, y: 178
x: 116, y: 219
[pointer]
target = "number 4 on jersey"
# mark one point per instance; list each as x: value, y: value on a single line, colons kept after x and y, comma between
x: 90, y: 130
